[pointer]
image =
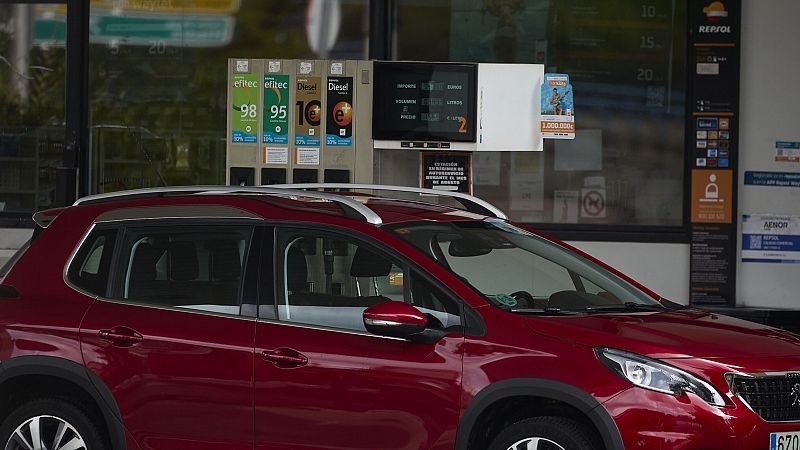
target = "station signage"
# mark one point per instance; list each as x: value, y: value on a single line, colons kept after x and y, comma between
x: 448, y: 171
x: 712, y: 147
x: 339, y: 122
x: 244, y: 104
x: 276, y: 109
x: 308, y: 114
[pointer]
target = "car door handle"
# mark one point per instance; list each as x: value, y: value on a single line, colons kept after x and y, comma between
x: 121, y: 336
x: 285, y: 357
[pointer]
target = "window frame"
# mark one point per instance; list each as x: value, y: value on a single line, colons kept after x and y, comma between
x: 251, y: 260
x: 472, y: 323
x: 95, y: 227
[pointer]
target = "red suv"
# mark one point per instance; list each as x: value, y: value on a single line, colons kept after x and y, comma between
x: 279, y: 318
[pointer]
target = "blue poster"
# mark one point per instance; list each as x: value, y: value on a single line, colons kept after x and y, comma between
x: 557, y: 107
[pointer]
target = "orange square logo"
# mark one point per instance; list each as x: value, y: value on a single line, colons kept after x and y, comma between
x: 712, y: 196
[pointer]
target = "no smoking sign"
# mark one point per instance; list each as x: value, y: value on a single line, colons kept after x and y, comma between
x: 593, y: 203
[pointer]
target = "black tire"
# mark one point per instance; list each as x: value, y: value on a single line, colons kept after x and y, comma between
x: 566, y: 433
x: 85, y: 428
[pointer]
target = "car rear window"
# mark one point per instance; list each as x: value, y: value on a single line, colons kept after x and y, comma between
x: 10, y: 263
x: 90, y: 268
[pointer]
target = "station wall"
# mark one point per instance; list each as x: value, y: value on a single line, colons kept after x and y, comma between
x: 770, y: 112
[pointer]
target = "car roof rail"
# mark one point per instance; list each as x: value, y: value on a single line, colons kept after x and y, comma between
x: 469, y: 202
x: 351, y: 207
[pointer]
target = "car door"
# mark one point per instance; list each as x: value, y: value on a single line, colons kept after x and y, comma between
x: 323, y: 381
x: 174, y: 341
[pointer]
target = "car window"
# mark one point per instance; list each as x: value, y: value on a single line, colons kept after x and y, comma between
x: 532, y: 273
x: 519, y: 271
x: 91, y: 266
x: 443, y: 312
x: 191, y: 267
x: 329, y: 281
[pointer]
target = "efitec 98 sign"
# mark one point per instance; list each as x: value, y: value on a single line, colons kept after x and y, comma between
x: 244, y: 117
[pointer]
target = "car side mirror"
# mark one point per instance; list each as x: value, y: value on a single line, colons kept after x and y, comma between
x: 394, y: 319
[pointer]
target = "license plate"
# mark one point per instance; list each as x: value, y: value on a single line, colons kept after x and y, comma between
x: 784, y: 441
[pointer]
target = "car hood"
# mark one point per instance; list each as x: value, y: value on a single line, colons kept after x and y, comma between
x: 688, y: 333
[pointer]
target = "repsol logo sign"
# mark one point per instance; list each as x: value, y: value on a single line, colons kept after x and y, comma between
x: 775, y: 225
x: 717, y: 29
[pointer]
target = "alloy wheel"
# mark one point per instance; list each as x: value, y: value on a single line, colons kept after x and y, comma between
x: 535, y: 443
x: 45, y: 433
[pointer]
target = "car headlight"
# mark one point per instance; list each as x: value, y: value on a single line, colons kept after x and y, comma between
x: 654, y: 375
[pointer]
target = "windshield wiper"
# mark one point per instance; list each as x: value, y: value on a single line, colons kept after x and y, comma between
x: 627, y: 306
x: 544, y: 311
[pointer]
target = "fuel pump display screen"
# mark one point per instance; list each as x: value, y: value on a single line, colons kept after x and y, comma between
x: 424, y: 102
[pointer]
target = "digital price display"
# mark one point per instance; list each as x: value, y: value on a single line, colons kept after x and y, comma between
x: 424, y: 102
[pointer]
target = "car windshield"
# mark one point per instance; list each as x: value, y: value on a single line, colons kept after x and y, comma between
x: 521, y: 272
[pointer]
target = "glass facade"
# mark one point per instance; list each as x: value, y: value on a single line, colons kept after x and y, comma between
x: 627, y: 66
x: 157, y: 80
x: 157, y: 77
x: 32, y: 109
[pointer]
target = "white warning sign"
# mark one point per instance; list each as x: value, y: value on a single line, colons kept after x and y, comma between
x: 593, y: 203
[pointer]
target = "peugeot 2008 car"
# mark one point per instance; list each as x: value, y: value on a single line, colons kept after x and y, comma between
x: 280, y: 318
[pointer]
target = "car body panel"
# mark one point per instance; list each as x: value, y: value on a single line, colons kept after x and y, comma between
x: 187, y: 385
x: 359, y: 391
x: 690, y: 333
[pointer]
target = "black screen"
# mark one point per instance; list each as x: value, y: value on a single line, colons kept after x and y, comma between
x: 424, y: 101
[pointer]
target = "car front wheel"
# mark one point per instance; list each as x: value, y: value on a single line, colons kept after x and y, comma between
x: 51, y: 424
x: 545, y: 433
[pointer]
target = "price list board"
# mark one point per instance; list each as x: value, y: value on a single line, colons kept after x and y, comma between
x: 638, y: 44
x: 424, y: 102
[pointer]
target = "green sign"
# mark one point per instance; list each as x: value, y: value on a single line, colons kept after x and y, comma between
x: 138, y: 29
x: 244, y: 120
x: 276, y: 109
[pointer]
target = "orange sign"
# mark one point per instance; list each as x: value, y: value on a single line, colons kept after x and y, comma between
x: 712, y: 196
x: 557, y: 126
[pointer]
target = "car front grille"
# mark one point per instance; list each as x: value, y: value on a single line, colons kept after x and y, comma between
x: 774, y: 397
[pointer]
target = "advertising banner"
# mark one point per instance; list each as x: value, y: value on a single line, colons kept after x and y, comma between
x: 768, y: 238
x: 244, y: 118
x: 558, y: 107
x: 276, y: 109
x: 339, y: 123
x: 308, y: 97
